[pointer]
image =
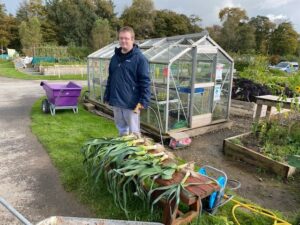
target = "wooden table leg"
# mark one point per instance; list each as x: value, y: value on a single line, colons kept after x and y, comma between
x: 177, y: 219
x: 268, y: 113
x: 258, y: 112
x: 169, y: 213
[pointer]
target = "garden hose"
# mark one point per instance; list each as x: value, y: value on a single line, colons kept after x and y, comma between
x: 256, y: 209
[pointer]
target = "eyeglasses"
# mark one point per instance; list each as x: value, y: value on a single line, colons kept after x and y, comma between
x: 124, y: 38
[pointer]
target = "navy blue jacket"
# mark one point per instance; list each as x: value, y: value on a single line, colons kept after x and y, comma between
x: 128, y: 82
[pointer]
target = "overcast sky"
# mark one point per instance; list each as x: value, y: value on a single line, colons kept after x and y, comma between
x: 208, y: 9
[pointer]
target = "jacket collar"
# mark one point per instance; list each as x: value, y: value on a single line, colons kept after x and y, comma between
x: 132, y: 52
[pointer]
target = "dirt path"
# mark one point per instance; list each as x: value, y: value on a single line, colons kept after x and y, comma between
x: 261, y: 188
x: 29, y: 181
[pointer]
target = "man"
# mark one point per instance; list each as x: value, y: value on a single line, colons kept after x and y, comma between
x: 128, y: 84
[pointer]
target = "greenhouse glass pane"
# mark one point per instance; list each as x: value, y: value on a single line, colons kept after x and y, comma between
x: 155, y: 50
x: 150, y: 43
x: 223, y: 82
x: 169, y: 53
x: 205, y: 68
x: 103, y: 51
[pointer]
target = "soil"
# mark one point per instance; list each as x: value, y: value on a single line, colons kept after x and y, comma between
x: 258, y: 186
x: 251, y: 142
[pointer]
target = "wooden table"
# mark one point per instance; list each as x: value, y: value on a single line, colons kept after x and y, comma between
x: 171, y: 214
x: 271, y: 101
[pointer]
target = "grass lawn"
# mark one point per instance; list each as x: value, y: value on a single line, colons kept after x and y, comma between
x: 62, y: 136
x: 7, y: 69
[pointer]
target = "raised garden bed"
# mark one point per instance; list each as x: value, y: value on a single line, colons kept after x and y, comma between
x: 235, y: 148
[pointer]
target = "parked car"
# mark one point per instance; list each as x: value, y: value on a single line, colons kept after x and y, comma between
x: 295, y: 65
x: 286, y: 66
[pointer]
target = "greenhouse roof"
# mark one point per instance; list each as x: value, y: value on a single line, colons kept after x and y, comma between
x: 163, y: 50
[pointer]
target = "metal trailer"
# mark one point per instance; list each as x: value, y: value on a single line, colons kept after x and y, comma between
x: 60, y: 96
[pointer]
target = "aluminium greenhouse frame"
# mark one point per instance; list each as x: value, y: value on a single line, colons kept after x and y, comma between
x: 191, y: 73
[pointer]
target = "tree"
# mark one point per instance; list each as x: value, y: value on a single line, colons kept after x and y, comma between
x: 245, y: 38
x: 235, y: 14
x: 30, y: 34
x: 8, y: 34
x: 105, y: 9
x: 36, y: 8
x: 4, y: 35
x: 231, y: 18
x: 140, y: 16
x: 195, y: 23
x: 169, y: 23
x: 73, y: 20
x: 263, y: 29
x: 29, y: 9
x: 284, y: 40
x: 215, y: 32
x: 101, y: 34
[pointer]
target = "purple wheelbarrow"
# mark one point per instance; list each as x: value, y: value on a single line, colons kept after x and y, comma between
x: 60, y: 96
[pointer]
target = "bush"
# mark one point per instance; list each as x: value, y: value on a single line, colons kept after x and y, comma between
x: 280, y: 137
x: 78, y: 52
x: 274, y: 59
x: 277, y: 82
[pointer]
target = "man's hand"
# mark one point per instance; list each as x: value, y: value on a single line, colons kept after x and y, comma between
x: 138, y: 107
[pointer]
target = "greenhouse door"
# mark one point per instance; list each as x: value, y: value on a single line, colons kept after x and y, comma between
x: 202, y: 86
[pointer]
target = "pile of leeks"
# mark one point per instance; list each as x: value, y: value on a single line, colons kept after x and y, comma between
x: 131, y: 165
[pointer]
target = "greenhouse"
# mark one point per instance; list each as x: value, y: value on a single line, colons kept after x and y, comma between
x: 191, y: 79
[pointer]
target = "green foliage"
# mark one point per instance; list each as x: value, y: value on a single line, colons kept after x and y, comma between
x: 105, y: 9
x: 276, y: 81
x: 73, y: 19
x: 101, y: 34
x: 143, y: 10
x: 8, y: 28
x: 245, y: 38
x: 78, y: 52
x: 233, y: 28
x: 279, y: 138
x: 169, y: 23
x: 30, y: 34
x: 241, y: 61
x: 51, y: 50
x: 215, y: 32
x: 284, y: 40
x: 237, y: 141
x: 263, y: 30
x: 36, y: 8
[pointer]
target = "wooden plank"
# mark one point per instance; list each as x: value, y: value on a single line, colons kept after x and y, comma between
x: 255, y: 158
x: 201, y: 120
x: 203, y: 85
x: 272, y: 100
x: 207, y: 129
x: 154, y: 132
x: 88, y: 106
x: 186, y: 218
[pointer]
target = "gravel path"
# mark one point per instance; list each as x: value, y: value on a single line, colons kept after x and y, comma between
x: 29, y: 181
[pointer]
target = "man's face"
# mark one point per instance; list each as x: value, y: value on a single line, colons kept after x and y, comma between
x: 126, y: 40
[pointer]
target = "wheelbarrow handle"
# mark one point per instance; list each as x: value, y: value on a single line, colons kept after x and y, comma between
x: 14, y: 212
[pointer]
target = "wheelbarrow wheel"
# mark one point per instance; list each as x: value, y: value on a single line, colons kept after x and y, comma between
x: 45, y: 106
